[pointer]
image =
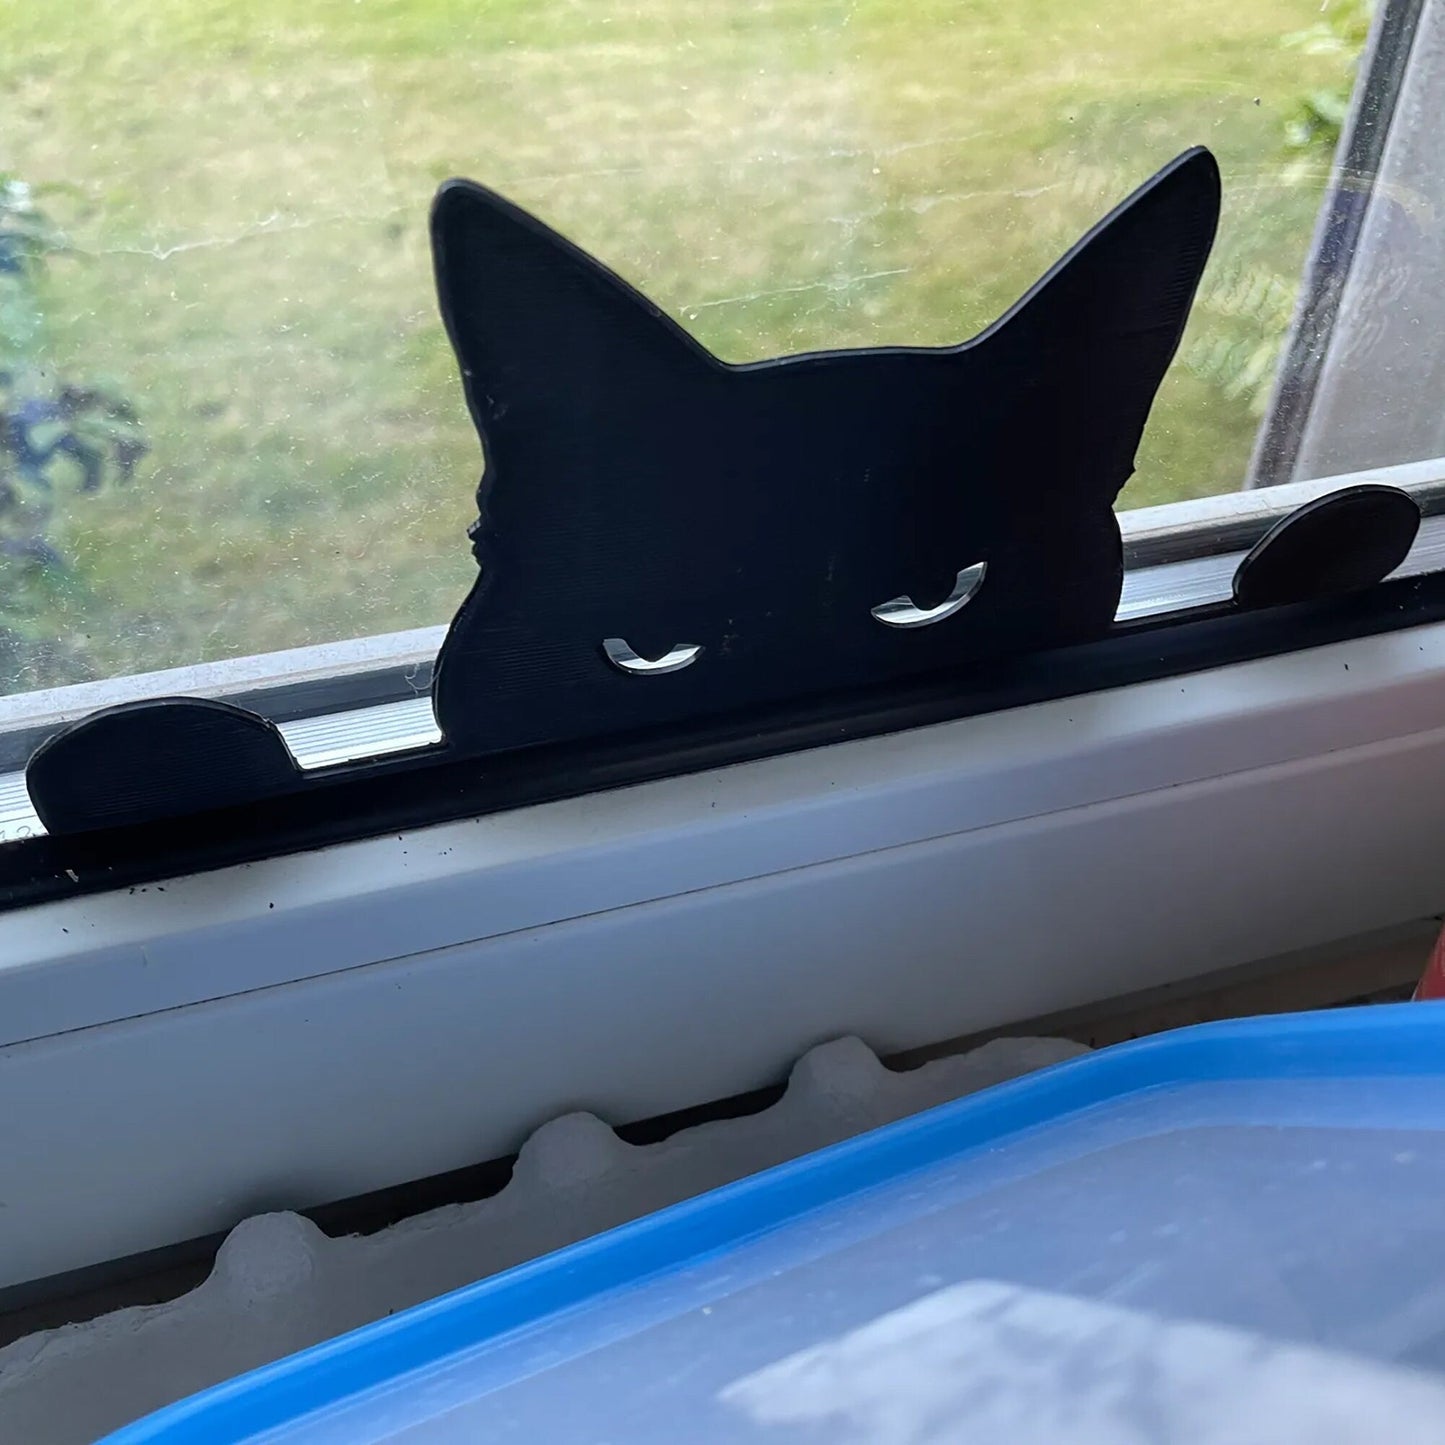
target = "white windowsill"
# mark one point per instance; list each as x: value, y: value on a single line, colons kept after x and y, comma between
x: 310, y: 1028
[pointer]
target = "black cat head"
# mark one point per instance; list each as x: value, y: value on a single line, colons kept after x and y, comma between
x: 663, y: 535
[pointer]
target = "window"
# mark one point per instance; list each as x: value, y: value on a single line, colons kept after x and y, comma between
x: 215, y: 286
x: 236, y: 442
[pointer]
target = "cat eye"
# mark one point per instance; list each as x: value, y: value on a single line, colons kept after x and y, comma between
x: 901, y: 611
x: 620, y: 655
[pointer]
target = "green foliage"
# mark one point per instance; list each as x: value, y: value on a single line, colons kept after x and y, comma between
x: 56, y: 434
x: 1318, y: 117
x: 1250, y: 310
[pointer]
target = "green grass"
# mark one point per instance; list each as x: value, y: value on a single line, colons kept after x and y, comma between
x: 246, y: 190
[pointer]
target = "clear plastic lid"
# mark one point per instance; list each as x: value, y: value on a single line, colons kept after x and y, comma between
x: 1101, y: 1248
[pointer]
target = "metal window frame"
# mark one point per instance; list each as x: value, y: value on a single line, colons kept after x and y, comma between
x: 1381, y: 77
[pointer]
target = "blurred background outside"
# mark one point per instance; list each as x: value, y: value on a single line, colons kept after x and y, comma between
x: 229, y: 419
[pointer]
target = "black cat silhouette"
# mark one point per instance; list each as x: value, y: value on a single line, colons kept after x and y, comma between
x: 663, y: 535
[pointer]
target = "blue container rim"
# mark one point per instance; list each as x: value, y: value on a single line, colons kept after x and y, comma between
x: 1371, y: 1041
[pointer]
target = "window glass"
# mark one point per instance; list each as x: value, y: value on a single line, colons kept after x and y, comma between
x: 233, y: 421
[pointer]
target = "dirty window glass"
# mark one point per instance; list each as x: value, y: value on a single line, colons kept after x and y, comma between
x: 231, y: 423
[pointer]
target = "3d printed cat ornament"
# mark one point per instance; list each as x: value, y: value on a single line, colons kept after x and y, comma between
x: 664, y: 535
x: 664, y: 538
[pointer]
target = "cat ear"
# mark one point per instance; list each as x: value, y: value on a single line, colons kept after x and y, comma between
x: 536, y: 322
x: 1102, y: 326
x: 1137, y: 270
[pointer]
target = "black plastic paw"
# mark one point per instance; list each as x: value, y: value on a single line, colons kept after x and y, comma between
x: 1329, y: 547
x: 145, y: 761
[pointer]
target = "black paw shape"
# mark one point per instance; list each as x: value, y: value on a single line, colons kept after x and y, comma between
x: 1338, y: 544
x: 145, y: 761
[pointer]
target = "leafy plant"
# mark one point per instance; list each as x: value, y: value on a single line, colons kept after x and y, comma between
x: 56, y: 433
x: 1317, y: 120
x: 1250, y: 309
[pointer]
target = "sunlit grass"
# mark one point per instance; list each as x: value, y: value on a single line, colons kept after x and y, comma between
x: 247, y: 186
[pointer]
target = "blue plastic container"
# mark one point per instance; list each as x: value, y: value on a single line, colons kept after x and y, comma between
x: 1282, y: 1177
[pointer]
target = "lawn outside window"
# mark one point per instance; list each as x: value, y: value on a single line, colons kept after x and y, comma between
x: 224, y: 210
